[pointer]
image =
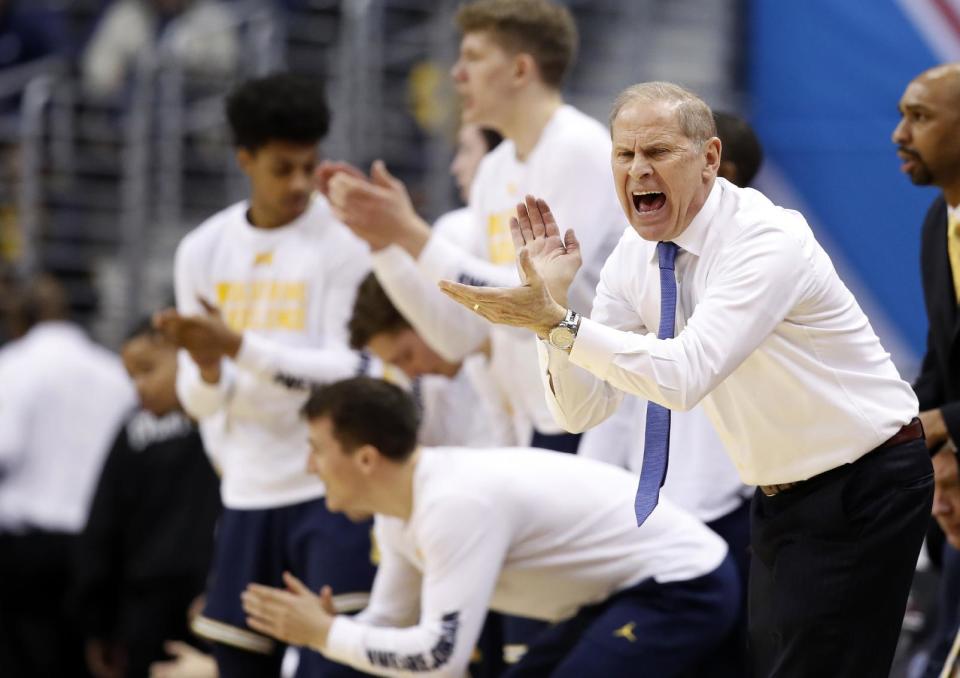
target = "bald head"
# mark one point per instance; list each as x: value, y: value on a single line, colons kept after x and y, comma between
x: 945, y: 78
x: 928, y: 134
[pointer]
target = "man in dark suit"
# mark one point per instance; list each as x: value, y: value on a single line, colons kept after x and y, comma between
x: 928, y: 140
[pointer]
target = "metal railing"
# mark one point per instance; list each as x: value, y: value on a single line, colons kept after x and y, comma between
x: 101, y: 183
x: 116, y: 184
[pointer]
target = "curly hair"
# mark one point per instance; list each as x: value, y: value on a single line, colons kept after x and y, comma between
x: 277, y: 107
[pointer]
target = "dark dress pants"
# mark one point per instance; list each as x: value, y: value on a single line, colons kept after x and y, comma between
x: 948, y: 612
x: 731, y: 659
x: 833, y: 559
x: 38, y: 636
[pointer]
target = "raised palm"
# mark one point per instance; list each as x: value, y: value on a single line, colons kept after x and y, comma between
x: 556, y: 258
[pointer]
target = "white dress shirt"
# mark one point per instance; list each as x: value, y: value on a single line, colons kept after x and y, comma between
x: 700, y: 476
x: 786, y: 363
x: 62, y: 401
x: 520, y: 531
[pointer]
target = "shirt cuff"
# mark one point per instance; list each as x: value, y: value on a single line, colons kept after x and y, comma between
x: 343, y: 640
x: 390, y: 257
x: 435, y: 258
x: 255, y: 354
x: 206, y: 398
x: 552, y: 359
x: 595, y: 347
x: 951, y: 418
x: 261, y: 356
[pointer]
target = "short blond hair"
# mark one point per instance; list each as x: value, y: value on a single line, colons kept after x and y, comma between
x: 693, y: 113
x: 544, y: 30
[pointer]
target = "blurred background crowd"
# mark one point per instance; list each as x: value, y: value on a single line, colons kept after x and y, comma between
x: 114, y: 144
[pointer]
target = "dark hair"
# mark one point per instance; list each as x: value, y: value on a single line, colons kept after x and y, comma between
x: 491, y: 138
x: 143, y: 328
x: 373, y: 313
x: 278, y: 107
x: 43, y: 297
x: 367, y: 411
x: 544, y: 30
x: 740, y: 146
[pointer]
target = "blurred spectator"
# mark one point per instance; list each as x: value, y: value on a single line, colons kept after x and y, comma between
x: 9, y: 329
x: 741, y: 153
x: 473, y: 142
x: 200, y: 33
x: 146, y: 549
x: 61, y: 402
x: 24, y: 35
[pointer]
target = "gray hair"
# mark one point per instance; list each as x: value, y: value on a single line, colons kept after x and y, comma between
x: 693, y: 114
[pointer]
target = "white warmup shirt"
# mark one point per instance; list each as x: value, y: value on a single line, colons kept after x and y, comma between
x: 570, y: 168
x: 786, y: 363
x: 471, y: 409
x: 465, y: 410
x: 295, y: 286
x: 62, y: 400
x: 700, y: 476
x: 523, y: 532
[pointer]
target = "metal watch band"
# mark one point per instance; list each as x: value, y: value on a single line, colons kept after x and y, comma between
x: 571, y: 321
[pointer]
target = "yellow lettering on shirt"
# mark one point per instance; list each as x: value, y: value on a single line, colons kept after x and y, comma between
x: 499, y: 240
x: 263, y: 305
x: 263, y: 259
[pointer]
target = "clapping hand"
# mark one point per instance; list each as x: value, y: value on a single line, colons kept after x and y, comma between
x: 556, y: 258
x: 547, y: 265
x: 377, y: 208
x: 295, y: 616
x: 206, y: 337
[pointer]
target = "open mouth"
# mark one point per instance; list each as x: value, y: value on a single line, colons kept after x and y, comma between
x: 648, y: 201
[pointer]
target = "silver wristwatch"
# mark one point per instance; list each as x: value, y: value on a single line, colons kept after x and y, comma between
x: 563, y: 335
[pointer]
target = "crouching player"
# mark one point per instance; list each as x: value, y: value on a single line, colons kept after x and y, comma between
x: 521, y: 531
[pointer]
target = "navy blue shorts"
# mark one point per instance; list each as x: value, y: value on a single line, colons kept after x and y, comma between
x: 317, y: 546
x: 557, y: 442
x: 651, y: 629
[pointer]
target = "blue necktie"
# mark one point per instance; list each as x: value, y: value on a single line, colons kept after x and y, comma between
x: 656, y: 440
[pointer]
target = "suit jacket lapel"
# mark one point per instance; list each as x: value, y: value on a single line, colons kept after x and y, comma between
x: 938, y: 281
x: 949, y: 298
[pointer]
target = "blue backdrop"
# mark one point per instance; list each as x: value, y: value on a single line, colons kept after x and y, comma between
x: 825, y: 77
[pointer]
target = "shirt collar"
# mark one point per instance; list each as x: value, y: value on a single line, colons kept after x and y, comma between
x: 695, y: 235
x: 54, y: 327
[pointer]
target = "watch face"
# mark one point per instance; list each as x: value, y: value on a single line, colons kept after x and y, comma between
x: 561, y: 337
